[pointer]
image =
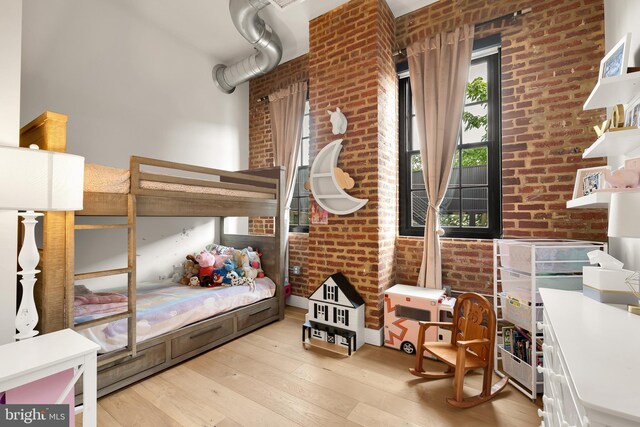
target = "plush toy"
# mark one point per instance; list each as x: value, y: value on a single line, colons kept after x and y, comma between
x: 229, y: 265
x: 242, y: 281
x: 206, y: 262
x: 191, y: 268
x: 251, y: 263
x: 178, y: 273
x: 194, y: 281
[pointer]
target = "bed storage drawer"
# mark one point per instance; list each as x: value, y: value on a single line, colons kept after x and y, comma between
x: 257, y: 313
x: 201, y: 337
x: 127, y: 367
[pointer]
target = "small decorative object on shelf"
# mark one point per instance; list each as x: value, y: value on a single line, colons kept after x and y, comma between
x: 622, y: 178
x: 589, y: 180
x: 600, y: 130
x: 336, y: 314
x: 618, y: 120
x: 632, y: 115
x: 616, y: 82
x: 616, y: 60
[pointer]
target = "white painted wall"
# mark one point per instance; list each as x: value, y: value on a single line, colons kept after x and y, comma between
x: 130, y: 87
x: 621, y: 17
x: 10, y: 39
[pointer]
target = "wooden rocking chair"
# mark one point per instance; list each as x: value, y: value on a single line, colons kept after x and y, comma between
x: 473, y: 333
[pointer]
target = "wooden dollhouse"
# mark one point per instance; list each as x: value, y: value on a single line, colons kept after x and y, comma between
x: 336, y: 314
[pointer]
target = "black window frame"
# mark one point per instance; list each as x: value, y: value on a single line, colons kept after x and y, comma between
x: 301, y: 228
x: 494, y: 147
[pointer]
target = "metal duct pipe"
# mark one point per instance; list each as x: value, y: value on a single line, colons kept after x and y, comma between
x: 244, y: 14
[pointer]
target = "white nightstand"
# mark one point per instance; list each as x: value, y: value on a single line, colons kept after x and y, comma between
x: 25, y: 361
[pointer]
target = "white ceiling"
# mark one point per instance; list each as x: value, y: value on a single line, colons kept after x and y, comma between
x: 206, y: 25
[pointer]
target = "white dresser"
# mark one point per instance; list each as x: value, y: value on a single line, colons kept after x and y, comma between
x: 591, y: 362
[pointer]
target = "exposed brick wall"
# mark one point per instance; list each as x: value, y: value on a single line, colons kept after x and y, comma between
x: 351, y: 66
x: 550, y: 61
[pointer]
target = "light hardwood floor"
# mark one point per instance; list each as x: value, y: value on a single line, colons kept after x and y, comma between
x: 267, y: 378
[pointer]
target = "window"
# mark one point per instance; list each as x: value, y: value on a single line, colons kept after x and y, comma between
x: 321, y: 312
x: 299, y: 213
x: 342, y: 317
x: 472, y: 203
x: 413, y: 313
x: 331, y: 293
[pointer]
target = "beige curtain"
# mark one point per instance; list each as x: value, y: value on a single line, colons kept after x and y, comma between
x: 286, y: 108
x: 438, y: 71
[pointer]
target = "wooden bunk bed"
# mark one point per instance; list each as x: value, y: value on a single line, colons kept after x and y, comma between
x: 229, y: 194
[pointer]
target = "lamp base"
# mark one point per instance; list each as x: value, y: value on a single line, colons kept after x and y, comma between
x: 27, y: 316
x: 634, y: 309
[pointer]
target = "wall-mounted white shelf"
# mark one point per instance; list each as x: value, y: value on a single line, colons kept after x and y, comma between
x: 612, y: 91
x: 592, y: 201
x: 614, y: 143
x: 324, y: 185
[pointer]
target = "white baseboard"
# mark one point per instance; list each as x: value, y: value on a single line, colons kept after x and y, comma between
x: 371, y: 336
x: 296, y: 301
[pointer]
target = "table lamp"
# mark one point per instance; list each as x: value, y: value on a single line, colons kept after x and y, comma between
x: 624, y: 222
x: 36, y: 180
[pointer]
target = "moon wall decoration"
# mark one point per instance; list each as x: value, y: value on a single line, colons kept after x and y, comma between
x: 325, y: 186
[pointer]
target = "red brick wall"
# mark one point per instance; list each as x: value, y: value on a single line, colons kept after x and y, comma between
x: 550, y: 61
x: 351, y: 66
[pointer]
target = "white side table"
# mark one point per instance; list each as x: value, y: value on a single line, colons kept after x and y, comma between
x: 25, y: 361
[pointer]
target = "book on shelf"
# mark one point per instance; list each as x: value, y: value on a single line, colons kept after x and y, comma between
x: 518, y: 342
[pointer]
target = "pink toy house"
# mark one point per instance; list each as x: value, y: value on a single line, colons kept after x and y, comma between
x: 405, y: 306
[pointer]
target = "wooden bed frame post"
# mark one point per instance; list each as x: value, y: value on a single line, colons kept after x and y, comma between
x: 49, y: 132
x: 281, y: 244
x: 131, y: 285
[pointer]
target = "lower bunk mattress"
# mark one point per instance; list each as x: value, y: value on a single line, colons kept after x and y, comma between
x: 164, y: 307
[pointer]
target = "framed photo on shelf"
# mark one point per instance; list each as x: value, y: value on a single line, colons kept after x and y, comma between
x: 632, y: 114
x: 616, y: 60
x: 589, y: 180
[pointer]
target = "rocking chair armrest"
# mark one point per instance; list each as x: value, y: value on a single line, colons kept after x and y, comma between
x: 481, y: 341
x: 427, y: 325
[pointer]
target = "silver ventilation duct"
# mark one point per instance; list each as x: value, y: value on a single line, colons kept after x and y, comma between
x: 244, y: 14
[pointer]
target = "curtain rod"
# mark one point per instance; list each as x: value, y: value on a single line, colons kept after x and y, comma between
x: 512, y: 15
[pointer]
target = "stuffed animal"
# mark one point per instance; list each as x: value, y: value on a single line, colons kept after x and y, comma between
x: 251, y: 263
x: 242, y: 281
x: 178, y: 273
x: 191, y: 268
x: 194, y: 281
x: 229, y: 265
x: 206, y: 262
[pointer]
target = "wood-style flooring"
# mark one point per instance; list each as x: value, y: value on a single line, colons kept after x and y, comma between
x: 267, y: 378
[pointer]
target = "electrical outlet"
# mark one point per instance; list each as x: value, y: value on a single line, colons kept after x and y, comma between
x: 296, y: 270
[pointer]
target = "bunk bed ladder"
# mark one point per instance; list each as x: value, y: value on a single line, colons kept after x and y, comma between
x: 130, y: 270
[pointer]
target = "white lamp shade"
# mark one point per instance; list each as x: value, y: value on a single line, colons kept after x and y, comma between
x: 40, y: 180
x: 624, y: 214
